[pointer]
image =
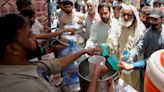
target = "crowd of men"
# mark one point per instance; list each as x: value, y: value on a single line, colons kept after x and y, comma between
x: 120, y: 24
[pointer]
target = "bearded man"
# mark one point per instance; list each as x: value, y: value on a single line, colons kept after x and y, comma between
x: 17, y: 47
x: 100, y: 31
x: 152, y: 41
x: 132, y: 30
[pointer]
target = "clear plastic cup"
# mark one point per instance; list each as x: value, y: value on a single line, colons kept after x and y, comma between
x: 93, y: 60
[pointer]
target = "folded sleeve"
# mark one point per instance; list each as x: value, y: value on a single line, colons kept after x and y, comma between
x: 50, y: 66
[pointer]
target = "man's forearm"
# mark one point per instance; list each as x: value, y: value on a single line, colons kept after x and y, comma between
x: 141, y: 64
x: 65, y: 61
x: 54, y: 34
x: 93, y: 84
x: 48, y: 35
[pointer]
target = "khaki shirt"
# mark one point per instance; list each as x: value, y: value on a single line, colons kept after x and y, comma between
x: 25, y: 78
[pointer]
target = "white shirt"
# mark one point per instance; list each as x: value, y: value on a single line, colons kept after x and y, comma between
x: 100, y: 32
x: 89, y: 22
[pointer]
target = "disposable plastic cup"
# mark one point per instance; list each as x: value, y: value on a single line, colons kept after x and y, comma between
x: 105, y: 49
x: 93, y: 60
x: 113, y: 61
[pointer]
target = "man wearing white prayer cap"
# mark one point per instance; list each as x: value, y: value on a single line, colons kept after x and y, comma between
x: 132, y: 30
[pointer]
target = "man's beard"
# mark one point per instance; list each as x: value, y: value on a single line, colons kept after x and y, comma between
x: 147, y: 24
x: 127, y: 23
x: 156, y: 26
x: 105, y: 20
x: 33, y: 53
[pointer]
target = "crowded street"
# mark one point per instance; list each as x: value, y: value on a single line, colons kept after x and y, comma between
x: 82, y: 46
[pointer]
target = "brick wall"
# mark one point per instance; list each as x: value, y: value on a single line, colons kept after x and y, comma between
x: 40, y: 6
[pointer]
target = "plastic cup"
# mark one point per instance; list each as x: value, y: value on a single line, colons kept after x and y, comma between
x: 93, y: 60
x: 113, y: 61
x: 105, y: 49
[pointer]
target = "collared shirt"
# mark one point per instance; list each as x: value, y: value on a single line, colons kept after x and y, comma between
x: 26, y: 78
x: 100, y: 32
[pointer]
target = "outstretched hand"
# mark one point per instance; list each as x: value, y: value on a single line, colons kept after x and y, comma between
x: 72, y: 30
x: 125, y: 66
x: 92, y: 51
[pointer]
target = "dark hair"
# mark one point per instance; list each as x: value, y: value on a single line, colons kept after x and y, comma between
x: 102, y: 6
x: 67, y: 3
x: 157, y: 1
x: 9, y: 25
x: 22, y: 4
x: 27, y: 12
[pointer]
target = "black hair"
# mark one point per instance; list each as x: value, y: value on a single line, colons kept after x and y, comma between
x: 157, y: 1
x: 27, y: 12
x: 67, y: 3
x: 9, y: 25
x: 102, y: 6
x: 22, y: 3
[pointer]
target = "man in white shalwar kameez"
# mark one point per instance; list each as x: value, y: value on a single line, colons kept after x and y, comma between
x: 100, y: 31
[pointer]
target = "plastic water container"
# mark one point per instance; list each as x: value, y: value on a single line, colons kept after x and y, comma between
x: 70, y: 74
x: 154, y: 77
x: 125, y: 58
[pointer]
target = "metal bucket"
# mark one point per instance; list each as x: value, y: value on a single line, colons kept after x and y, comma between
x: 103, y: 84
x: 57, y: 47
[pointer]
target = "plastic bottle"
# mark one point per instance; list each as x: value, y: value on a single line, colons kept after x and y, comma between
x: 70, y: 74
x: 125, y: 58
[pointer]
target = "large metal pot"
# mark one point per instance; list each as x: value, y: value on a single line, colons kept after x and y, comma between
x: 103, y: 84
x: 57, y: 47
